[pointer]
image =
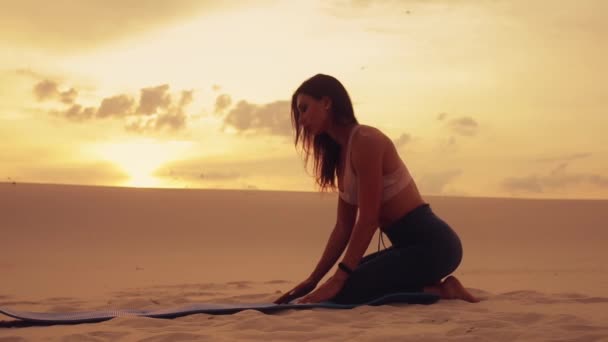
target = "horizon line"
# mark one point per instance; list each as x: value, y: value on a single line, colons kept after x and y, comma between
x: 15, y: 183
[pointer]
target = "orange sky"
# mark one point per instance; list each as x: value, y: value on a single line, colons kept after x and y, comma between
x: 502, y: 98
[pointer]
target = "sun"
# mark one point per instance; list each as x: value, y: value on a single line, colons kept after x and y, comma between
x: 140, y: 158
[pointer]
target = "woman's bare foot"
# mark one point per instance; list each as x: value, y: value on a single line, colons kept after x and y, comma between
x: 451, y: 288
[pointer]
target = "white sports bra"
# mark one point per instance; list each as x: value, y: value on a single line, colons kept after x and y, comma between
x: 393, y: 182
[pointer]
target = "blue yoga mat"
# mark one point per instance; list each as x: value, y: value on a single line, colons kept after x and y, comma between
x: 208, y: 308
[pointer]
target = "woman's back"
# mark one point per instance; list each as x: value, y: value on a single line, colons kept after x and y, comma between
x: 407, y: 196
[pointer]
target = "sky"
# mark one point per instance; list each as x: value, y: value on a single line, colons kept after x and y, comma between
x: 481, y: 98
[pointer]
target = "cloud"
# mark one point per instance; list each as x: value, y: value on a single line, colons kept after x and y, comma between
x: 154, y: 111
x: 559, y: 169
x: 402, y: 140
x: 77, y: 112
x: 463, y: 126
x: 448, y: 145
x: 49, y: 90
x: 435, y: 183
x: 46, y: 90
x: 222, y: 103
x: 569, y: 157
x: 68, y: 96
x: 74, y: 173
x: 115, y: 106
x: 195, y: 171
x: 186, y: 99
x: 174, y: 117
x: 466, y: 126
x: 273, y: 118
x: 532, y: 183
x: 154, y: 98
x: 68, y: 25
x: 373, y: 8
x: 220, y: 175
x: 556, y: 179
x: 232, y: 171
x: 29, y: 73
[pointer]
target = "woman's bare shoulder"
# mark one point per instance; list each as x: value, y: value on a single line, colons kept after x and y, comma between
x: 368, y: 140
x: 366, y: 135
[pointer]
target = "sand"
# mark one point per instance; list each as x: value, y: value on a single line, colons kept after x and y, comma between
x: 539, y: 265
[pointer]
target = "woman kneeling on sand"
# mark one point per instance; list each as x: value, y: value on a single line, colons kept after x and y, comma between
x: 373, y: 179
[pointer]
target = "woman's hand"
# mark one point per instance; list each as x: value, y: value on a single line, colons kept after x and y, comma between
x: 325, y: 292
x: 302, y: 289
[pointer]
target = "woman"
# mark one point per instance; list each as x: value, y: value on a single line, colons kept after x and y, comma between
x: 371, y: 179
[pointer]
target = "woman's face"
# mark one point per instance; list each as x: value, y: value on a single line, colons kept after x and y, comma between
x: 314, y: 114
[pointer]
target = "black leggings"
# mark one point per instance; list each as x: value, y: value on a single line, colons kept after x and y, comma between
x: 424, y: 250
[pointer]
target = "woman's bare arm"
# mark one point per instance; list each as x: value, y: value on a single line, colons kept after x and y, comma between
x: 368, y: 152
x: 337, y: 240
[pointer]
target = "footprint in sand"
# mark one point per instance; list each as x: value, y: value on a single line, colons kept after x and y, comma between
x: 277, y: 282
x: 520, y: 318
x: 240, y: 284
x: 104, y: 335
x: 178, y: 336
x: 60, y: 299
x: 591, y: 300
x: 15, y: 303
x: 584, y: 327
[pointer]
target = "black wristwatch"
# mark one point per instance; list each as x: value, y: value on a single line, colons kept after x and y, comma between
x: 345, y: 268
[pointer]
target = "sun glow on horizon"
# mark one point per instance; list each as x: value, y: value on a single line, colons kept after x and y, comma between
x: 480, y: 98
x: 140, y: 158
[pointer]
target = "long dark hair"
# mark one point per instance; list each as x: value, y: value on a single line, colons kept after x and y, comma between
x: 326, y: 151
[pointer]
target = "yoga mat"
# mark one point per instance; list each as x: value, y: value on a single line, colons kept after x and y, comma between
x: 208, y: 308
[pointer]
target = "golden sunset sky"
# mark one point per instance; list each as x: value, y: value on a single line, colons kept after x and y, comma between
x: 482, y: 98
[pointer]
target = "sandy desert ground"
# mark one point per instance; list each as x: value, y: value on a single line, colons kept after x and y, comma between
x: 539, y: 265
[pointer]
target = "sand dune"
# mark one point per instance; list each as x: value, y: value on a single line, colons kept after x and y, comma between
x: 538, y: 264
